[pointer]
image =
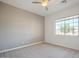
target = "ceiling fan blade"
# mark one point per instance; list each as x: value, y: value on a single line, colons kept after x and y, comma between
x: 49, y: 0
x: 64, y: 1
x: 44, y: 0
x: 46, y: 8
x: 37, y: 2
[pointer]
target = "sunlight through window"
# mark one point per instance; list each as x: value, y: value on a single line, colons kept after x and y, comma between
x: 68, y: 27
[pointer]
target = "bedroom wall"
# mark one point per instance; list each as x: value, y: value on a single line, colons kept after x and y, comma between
x: 19, y: 27
x: 66, y: 41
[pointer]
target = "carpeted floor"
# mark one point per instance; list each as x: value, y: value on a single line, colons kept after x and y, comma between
x: 42, y: 50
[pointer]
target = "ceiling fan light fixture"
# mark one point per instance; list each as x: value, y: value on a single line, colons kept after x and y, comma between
x: 44, y: 3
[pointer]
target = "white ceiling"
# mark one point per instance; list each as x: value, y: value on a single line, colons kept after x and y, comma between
x: 53, y: 6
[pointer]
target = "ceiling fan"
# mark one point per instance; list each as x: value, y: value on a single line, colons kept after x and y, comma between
x: 44, y: 3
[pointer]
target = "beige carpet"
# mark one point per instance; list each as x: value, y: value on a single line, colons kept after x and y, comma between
x: 42, y: 51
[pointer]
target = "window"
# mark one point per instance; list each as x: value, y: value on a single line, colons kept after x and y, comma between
x: 68, y: 26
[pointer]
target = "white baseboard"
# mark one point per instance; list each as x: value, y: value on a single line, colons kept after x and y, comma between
x: 20, y: 47
x: 61, y: 46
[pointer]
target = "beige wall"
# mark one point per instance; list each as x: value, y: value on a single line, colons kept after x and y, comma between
x: 66, y: 41
x: 19, y: 27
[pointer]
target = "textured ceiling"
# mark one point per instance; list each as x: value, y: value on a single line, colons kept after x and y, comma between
x: 53, y: 6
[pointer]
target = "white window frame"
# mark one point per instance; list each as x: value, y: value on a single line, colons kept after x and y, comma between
x: 67, y: 18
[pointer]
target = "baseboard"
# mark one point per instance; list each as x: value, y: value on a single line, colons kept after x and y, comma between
x: 7, y: 50
x: 61, y: 46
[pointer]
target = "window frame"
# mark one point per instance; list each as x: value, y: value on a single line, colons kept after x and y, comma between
x: 65, y: 19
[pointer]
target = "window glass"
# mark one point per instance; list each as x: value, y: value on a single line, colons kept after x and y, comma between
x: 67, y: 27
x: 75, y: 27
x: 62, y: 28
